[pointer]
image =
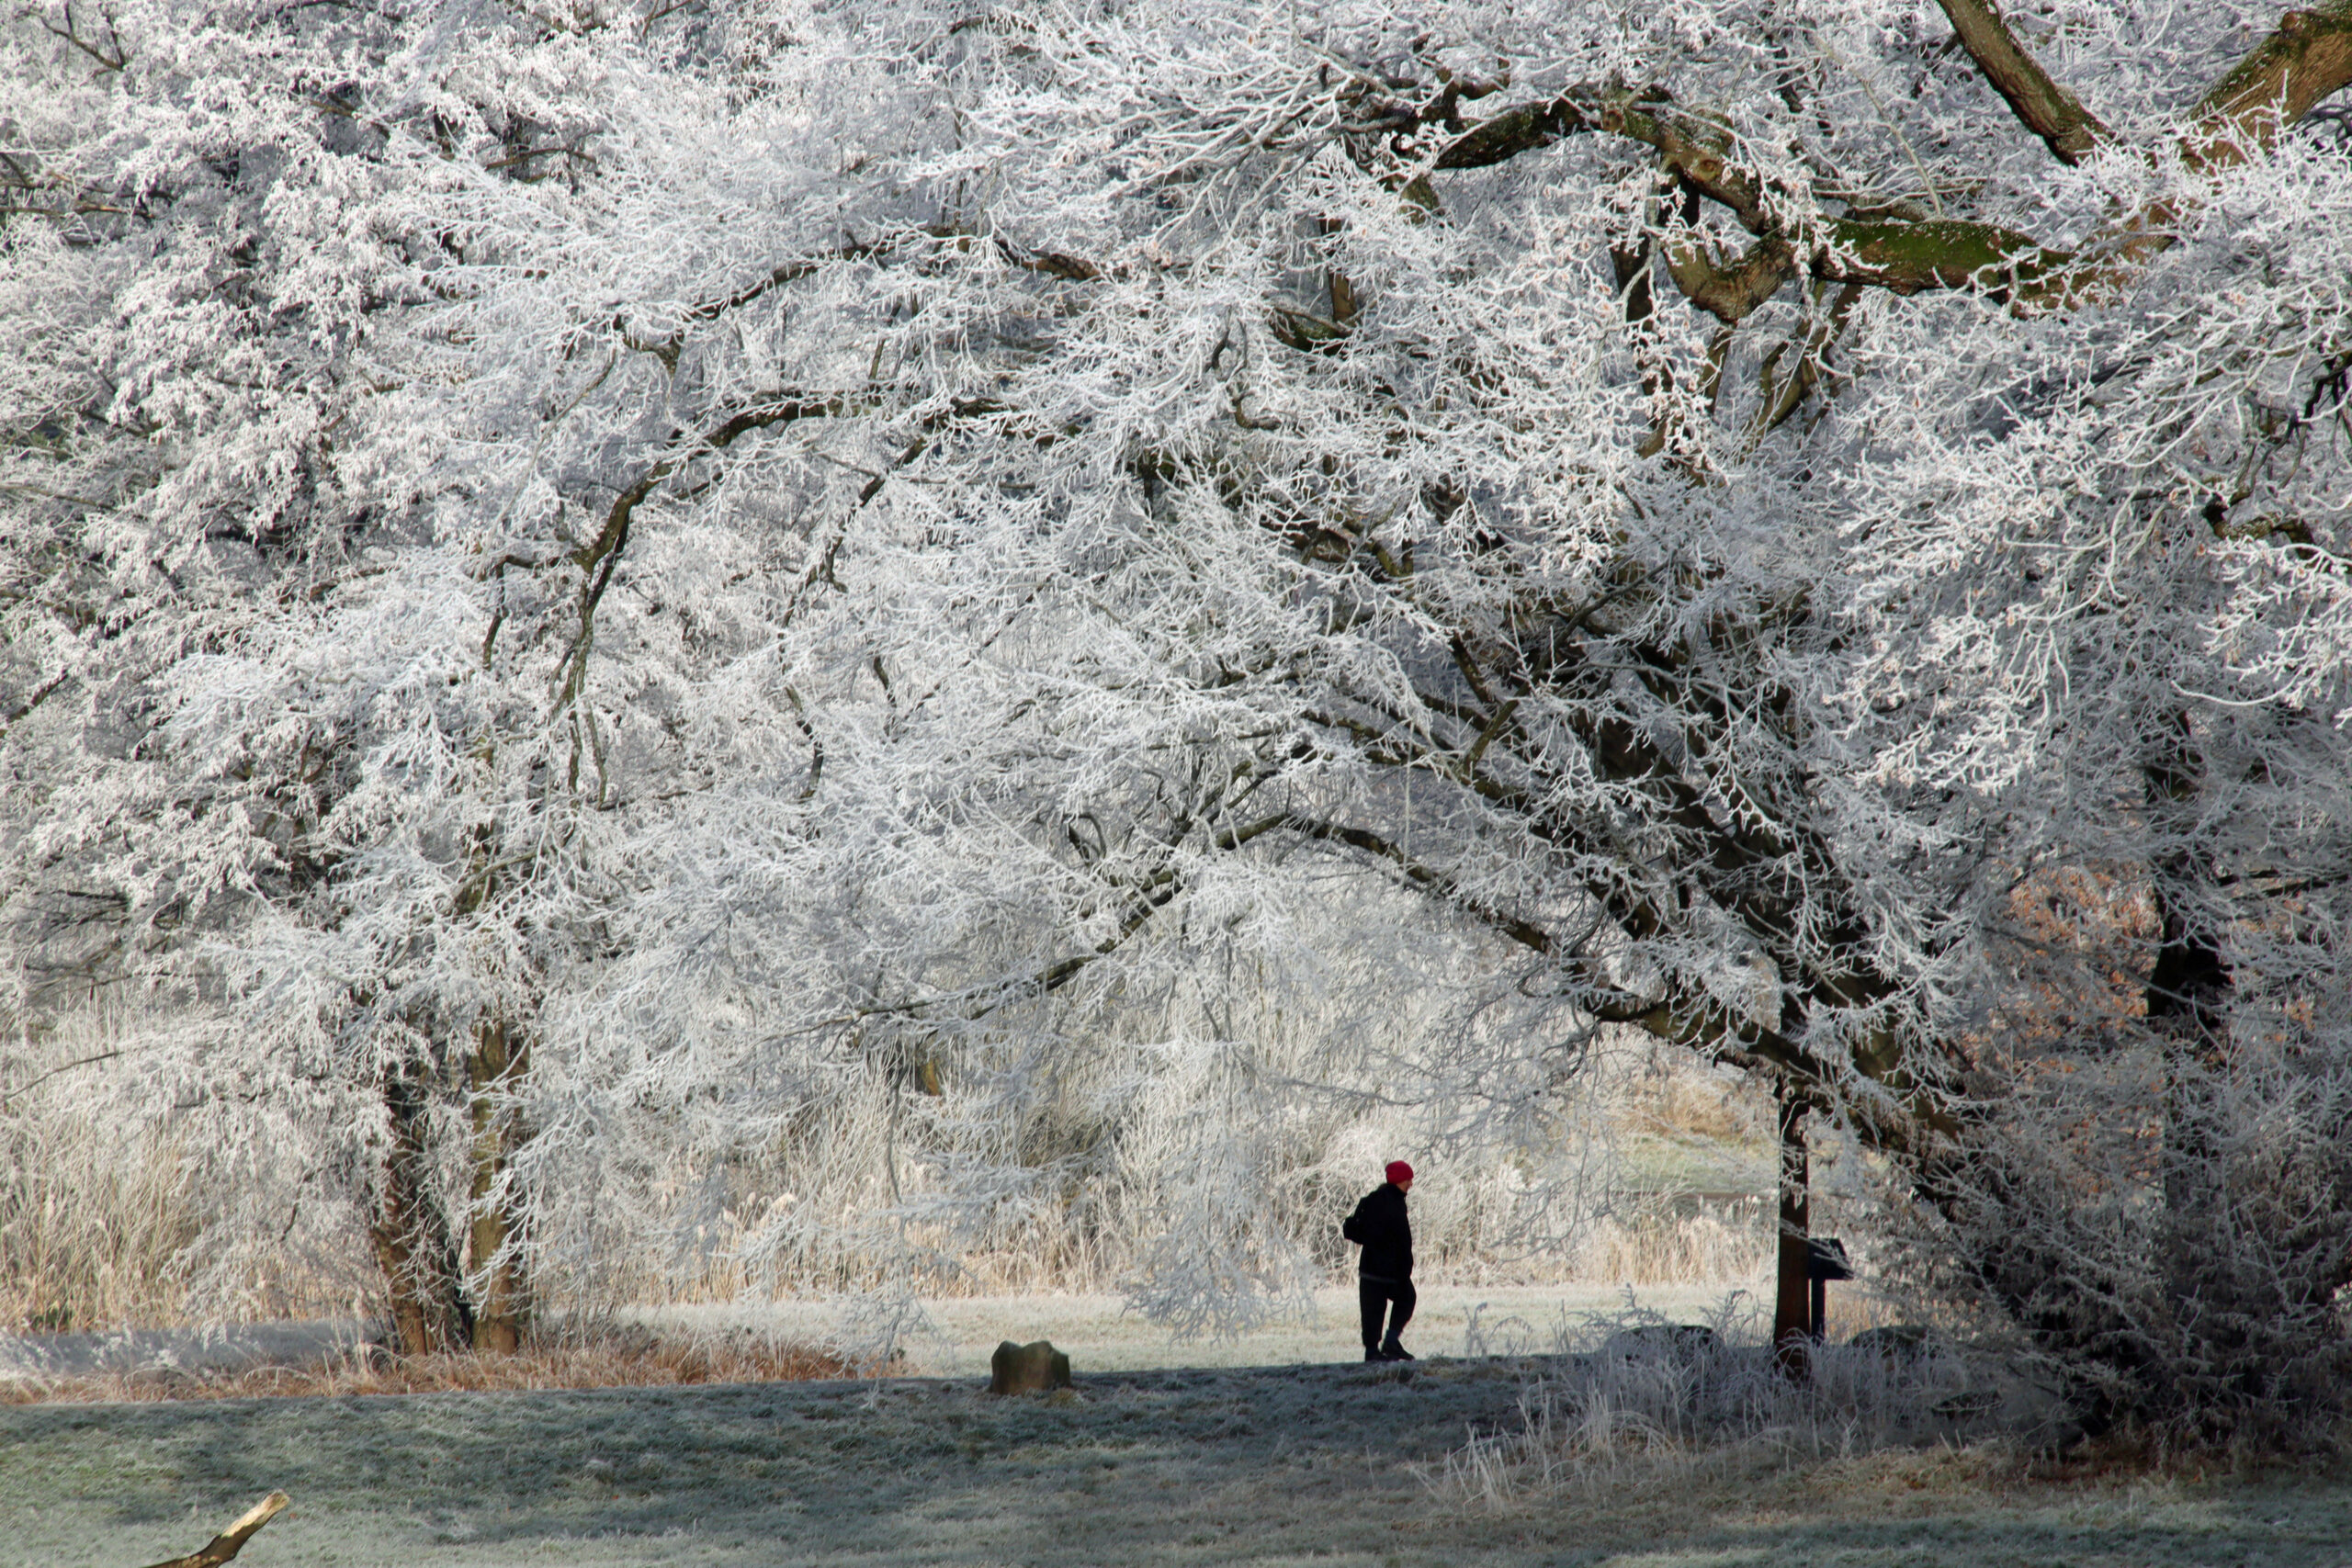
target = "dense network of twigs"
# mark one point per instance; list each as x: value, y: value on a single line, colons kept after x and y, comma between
x: 897, y: 619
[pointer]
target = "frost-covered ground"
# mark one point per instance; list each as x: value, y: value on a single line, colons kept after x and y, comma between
x: 953, y: 1337
x: 1269, y: 1448
x: 1318, y: 1461
x: 231, y: 1347
x: 1272, y: 1466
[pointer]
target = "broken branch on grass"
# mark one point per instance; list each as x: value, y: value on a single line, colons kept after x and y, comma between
x: 231, y: 1541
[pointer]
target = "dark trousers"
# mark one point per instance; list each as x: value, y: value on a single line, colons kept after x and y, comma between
x: 1375, y: 1296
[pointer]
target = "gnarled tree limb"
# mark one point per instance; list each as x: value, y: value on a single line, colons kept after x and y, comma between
x: 1729, y: 291
x: 2306, y: 59
x: 2044, y: 107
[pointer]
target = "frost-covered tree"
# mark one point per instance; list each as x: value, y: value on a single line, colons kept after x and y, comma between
x: 901, y: 551
x: 1724, y: 501
x: 1744, y: 659
x: 201, y: 270
x: 260, y: 724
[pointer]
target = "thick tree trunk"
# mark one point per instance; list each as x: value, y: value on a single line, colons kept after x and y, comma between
x: 1792, y: 1295
x: 502, y: 1309
x: 411, y: 1233
x: 2188, y: 1000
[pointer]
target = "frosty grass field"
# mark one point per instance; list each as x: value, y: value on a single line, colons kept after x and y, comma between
x: 1321, y: 1460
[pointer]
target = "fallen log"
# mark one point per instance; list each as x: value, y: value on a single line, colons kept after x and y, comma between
x: 231, y: 1541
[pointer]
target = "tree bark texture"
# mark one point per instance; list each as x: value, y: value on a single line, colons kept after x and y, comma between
x: 501, y: 1307
x: 411, y: 1233
x: 2188, y: 1000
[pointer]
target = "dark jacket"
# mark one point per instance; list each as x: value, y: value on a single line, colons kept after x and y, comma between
x: 1379, y: 1223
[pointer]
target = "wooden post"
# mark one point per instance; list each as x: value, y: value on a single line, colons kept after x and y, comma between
x: 1792, y: 1294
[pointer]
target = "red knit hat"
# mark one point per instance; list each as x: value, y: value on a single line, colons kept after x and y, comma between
x: 1399, y: 1173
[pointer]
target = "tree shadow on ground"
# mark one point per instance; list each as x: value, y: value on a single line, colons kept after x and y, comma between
x: 1196, y: 1467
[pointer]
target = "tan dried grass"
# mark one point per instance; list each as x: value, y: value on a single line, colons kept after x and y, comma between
x: 617, y: 1361
x: 1685, y: 1249
x: 96, y: 1225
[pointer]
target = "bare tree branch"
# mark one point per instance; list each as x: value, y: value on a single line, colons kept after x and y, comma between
x: 2044, y: 107
x: 2307, y: 58
x: 231, y: 1541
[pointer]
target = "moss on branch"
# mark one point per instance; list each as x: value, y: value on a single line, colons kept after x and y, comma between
x: 1937, y: 254
x: 2307, y: 57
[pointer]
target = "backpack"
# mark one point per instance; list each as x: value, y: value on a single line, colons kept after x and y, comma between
x: 1353, y: 1226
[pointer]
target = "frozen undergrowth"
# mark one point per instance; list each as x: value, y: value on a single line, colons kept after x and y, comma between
x: 1272, y: 1466
x: 819, y: 1336
x: 1656, y: 1404
x: 1629, y: 1397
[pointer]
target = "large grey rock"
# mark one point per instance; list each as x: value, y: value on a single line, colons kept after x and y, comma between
x: 1027, y: 1368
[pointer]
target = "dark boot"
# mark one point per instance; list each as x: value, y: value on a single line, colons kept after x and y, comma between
x: 1393, y: 1351
x: 1370, y: 1354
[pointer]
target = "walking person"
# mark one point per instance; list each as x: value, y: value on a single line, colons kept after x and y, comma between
x: 1384, y: 1270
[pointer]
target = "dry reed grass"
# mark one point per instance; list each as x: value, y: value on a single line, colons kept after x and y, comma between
x: 1654, y: 1405
x: 109, y: 1221
x: 623, y: 1359
x: 96, y: 1222
x: 120, y: 1209
x: 1701, y: 1249
x: 1670, y: 1097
